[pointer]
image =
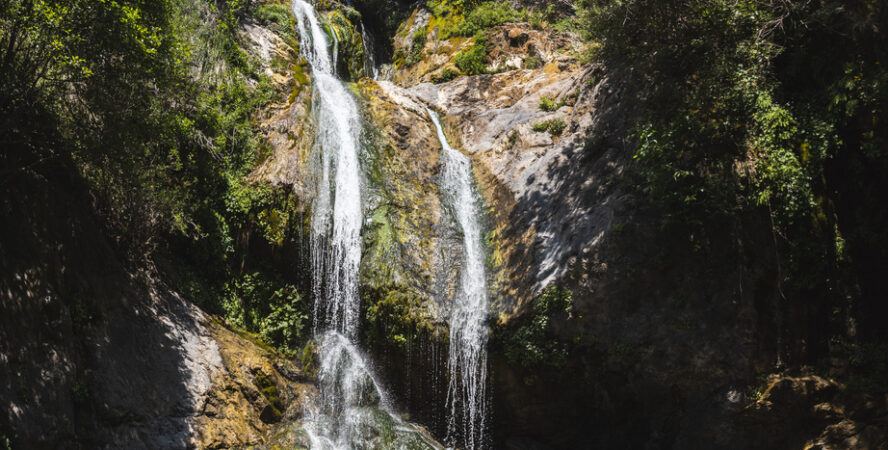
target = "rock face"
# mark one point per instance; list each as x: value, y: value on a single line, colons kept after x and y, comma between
x: 813, y: 413
x: 117, y: 360
x: 652, y: 344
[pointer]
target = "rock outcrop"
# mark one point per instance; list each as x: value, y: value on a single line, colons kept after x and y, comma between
x: 95, y: 355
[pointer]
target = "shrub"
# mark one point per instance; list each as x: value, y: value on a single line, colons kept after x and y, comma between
x: 557, y: 126
x: 535, y: 341
x: 547, y: 104
x: 418, y: 43
x: 447, y: 74
x: 540, y: 127
x: 473, y: 60
x: 486, y: 15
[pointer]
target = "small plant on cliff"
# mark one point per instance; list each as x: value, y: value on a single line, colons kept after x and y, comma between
x: 540, y: 127
x: 473, y: 60
x: 557, y: 126
x: 547, y: 104
x: 536, y: 341
x: 487, y: 15
x: 447, y: 74
x: 418, y: 43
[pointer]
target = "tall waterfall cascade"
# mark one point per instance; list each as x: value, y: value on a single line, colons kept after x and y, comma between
x: 350, y: 400
x: 351, y: 403
x: 467, y: 361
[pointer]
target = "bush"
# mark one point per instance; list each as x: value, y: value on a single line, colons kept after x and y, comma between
x: 268, y: 307
x: 557, y: 126
x: 487, y: 15
x: 534, y: 342
x: 447, y: 74
x: 473, y: 60
x: 418, y: 42
x: 547, y: 104
x: 274, y: 14
x: 540, y: 127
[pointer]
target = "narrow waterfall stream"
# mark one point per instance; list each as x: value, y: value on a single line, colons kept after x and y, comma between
x: 467, y: 363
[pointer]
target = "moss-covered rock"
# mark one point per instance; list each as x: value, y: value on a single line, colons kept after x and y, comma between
x: 402, y: 241
x: 343, y: 23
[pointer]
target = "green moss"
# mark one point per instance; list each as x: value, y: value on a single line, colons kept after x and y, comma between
x: 309, y: 359
x: 269, y: 391
x: 351, y: 44
x: 394, y: 315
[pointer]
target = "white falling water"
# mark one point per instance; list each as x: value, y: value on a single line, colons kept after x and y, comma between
x: 350, y: 401
x: 370, y: 66
x: 467, y: 396
x: 336, y: 210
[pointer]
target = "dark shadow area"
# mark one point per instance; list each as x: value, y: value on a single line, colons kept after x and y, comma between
x: 92, y: 355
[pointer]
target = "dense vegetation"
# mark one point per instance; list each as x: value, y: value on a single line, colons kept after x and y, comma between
x: 769, y: 108
x: 150, y: 102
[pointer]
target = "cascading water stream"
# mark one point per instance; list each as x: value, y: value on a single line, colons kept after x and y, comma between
x: 350, y: 400
x: 370, y: 66
x: 336, y: 210
x: 467, y: 363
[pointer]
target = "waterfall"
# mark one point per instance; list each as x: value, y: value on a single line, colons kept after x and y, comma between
x: 467, y: 363
x: 336, y: 209
x: 350, y: 400
x: 370, y: 66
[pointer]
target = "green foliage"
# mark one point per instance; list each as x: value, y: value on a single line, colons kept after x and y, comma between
x: 473, y: 60
x: 258, y: 305
x: 547, y: 104
x: 541, y: 127
x: 557, y: 126
x: 541, y: 18
x: 487, y: 15
x: 554, y: 126
x: 468, y: 18
x: 274, y: 14
x: 151, y: 103
x: 393, y: 315
x: 446, y: 75
x: 749, y: 109
x: 418, y: 42
x: 535, y: 341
